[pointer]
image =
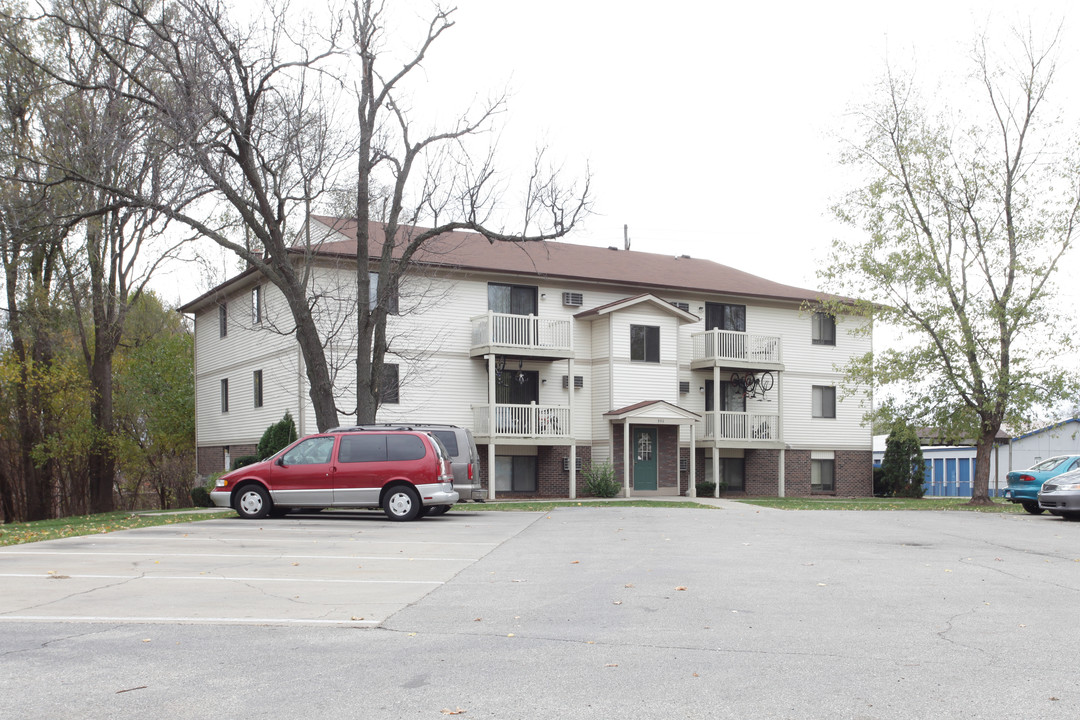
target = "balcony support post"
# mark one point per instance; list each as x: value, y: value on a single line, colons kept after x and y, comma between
x: 626, y: 457
x: 691, y: 484
x: 491, y: 423
x: 570, y: 428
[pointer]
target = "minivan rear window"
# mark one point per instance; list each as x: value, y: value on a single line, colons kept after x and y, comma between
x: 405, y: 447
x: 362, y: 448
x: 380, y: 448
x: 449, y: 439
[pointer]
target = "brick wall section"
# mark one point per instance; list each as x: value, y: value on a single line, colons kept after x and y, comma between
x: 667, y: 469
x: 854, y: 473
x: 211, y: 459
x: 551, y: 479
x: 797, y: 473
x: 762, y: 471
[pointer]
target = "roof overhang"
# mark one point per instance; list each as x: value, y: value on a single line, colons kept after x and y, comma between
x: 653, y: 412
x: 647, y: 299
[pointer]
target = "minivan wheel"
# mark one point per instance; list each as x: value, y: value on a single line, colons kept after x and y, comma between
x: 1032, y: 507
x: 401, y: 503
x: 252, y: 502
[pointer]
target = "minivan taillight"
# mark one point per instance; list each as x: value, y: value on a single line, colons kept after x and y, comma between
x: 470, y: 471
x: 446, y: 471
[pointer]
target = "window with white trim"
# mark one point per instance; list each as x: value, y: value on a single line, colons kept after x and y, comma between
x: 645, y: 343
x: 824, y: 401
x: 823, y: 329
x: 822, y: 475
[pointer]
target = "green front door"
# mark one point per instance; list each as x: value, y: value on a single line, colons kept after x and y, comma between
x: 644, y: 458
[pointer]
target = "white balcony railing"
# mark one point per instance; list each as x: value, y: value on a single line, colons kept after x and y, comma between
x: 740, y: 346
x: 532, y: 421
x: 741, y: 426
x: 527, y: 332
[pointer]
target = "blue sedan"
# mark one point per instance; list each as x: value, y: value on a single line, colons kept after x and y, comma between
x: 1024, y: 485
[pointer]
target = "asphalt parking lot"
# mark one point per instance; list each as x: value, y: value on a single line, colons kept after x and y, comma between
x: 576, y: 613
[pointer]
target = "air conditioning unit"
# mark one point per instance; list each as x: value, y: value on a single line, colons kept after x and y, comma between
x: 566, y: 464
x: 579, y: 382
x: 684, y: 464
x: 572, y: 299
x: 684, y: 387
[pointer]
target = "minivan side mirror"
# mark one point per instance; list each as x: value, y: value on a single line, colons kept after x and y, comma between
x: 280, y: 461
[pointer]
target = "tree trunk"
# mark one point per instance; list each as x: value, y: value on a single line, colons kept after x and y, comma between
x: 101, y: 463
x: 980, y: 489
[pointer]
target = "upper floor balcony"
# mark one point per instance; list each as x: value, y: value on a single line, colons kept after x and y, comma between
x: 731, y: 349
x: 521, y: 335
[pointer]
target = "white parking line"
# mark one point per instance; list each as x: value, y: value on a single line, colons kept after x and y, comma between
x: 151, y: 555
x: 184, y: 620
x: 227, y: 539
x: 217, y: 577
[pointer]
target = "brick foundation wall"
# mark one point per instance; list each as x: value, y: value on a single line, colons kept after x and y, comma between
x: 797, y: 473
x: 551, y: 480
x: 762, y: 473
x: 211, y: 459
x: 853, y: 474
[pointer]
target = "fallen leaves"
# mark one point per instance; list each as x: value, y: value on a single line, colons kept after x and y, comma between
x: 681, y: 587
x: 448, y: 711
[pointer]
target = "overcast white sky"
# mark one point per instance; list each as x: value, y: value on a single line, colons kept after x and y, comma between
x: 709, y: 126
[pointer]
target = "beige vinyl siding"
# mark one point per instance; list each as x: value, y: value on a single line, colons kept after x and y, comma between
x: 246, y: 348
x: 440, y: 382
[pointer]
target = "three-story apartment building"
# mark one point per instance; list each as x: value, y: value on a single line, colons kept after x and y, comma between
x: 671, y: 368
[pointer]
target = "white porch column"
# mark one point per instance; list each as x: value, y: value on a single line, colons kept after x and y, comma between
x: 691, y: 486
x: 716, y: 470
x: 626, y: 457
x: 491, y: 421
x: 780, y: 480
x: 573, y: 441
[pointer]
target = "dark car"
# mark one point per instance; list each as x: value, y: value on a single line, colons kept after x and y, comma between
x: 403, y: 472
x: 1024, y: 485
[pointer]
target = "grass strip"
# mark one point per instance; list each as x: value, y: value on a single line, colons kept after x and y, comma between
x: 545, y: 506
x: 27, y: 532
x: 879, y: 504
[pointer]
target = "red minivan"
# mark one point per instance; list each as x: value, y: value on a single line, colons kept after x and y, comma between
x: 403, y: 472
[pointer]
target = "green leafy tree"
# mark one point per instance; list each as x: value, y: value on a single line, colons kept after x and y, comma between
x: 277, y: 436
x: 902, y: 467
x: 964, y: 219
x: 154, y: 442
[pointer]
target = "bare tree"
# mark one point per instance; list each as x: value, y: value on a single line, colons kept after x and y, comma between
x: 243, y: 113
x: 432, y: 182
x: 29, y: 247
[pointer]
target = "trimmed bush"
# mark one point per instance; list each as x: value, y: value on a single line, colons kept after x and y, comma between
x: 244, y: 460
x: 705, y: 487
x: 277, y: 436
x: 902, y: 467
x: 200, y: 497
x: 600, y: 480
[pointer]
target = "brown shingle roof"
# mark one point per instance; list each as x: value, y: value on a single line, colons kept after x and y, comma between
x: 471, y: 251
